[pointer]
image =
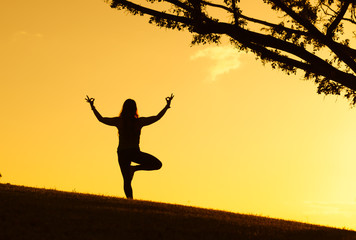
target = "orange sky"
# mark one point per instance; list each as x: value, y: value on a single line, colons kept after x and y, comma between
x: 239, y: 136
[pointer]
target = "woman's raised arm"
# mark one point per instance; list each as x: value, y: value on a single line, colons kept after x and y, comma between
x: 149, y: 120
x: 105, y: 120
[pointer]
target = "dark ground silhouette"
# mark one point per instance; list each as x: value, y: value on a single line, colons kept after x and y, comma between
x: 31, y: 213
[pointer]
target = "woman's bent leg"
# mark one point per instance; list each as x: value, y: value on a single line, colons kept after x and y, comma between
x: 147, y: 162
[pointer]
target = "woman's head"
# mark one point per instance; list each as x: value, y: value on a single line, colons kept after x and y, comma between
x: 129, y: 109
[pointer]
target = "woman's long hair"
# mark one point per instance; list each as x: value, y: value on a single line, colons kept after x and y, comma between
x: 129, y: 109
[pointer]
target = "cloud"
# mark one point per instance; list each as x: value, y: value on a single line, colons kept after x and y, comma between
x: 224, y: 59
x: 24, y: 35
x: 331, y: 208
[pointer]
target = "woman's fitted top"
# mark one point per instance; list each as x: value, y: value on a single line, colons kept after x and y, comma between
x: 129, y: 129
x: 129, y: 132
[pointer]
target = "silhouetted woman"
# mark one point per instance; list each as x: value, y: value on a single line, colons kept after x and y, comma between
x: 129, y: 126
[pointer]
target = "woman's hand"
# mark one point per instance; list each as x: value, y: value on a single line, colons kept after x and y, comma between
x: 90, y: 101
x: 169, y: 99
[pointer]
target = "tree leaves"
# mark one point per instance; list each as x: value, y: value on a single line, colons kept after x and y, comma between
x: 312, y: 35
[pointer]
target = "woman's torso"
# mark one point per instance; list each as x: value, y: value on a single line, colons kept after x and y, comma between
x: 129, y: 133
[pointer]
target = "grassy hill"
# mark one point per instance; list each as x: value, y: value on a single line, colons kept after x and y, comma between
x: 31, y: 213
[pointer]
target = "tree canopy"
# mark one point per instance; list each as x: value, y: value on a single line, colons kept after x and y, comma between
x: 315, y: 36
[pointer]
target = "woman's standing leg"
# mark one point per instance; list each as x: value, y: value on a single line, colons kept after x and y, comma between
x: 125, y: 166
x: 145, y: 161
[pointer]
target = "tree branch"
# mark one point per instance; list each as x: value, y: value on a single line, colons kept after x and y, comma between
x: 217, y: 6
x: 345, y: 79
x: 349, y: 20
x: 152, y: 12
x: 259, y: 42
x: 179, y: 4
x: 269, y: 41
x: 268, y: 46
x: 347, y: 50
x: 339, y: 17
x: 235, y: 12
x: 318, y: 35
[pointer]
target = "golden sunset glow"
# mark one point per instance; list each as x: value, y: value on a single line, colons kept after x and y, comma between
x: 239, y: 136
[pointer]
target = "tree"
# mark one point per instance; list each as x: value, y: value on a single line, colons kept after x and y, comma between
x: 314, y: 36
